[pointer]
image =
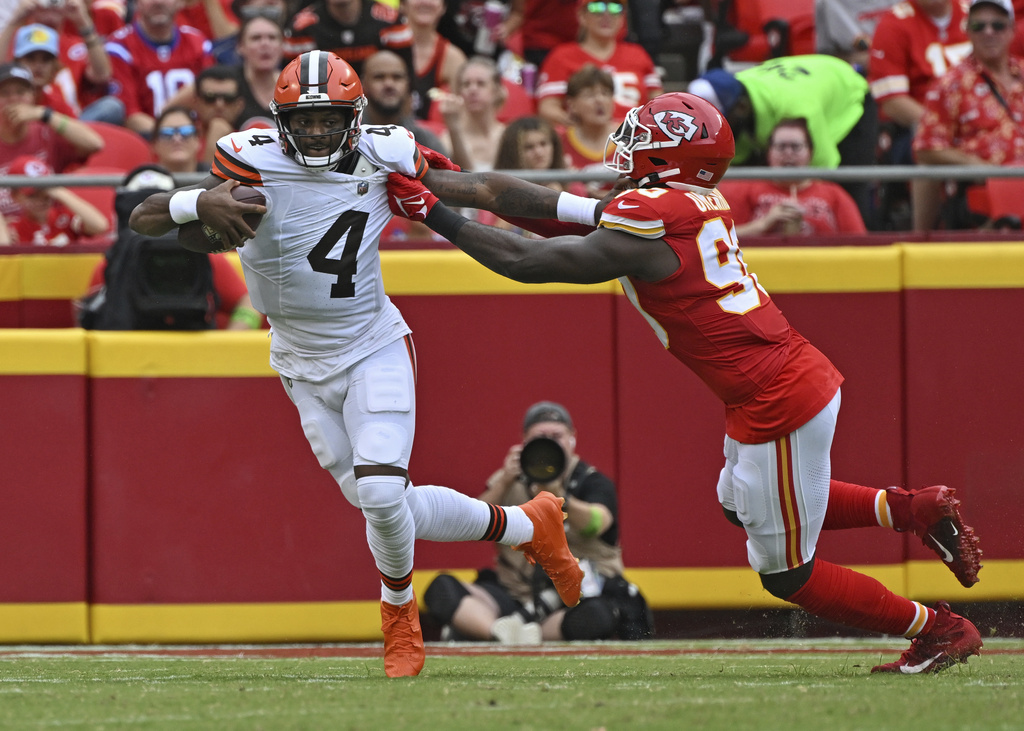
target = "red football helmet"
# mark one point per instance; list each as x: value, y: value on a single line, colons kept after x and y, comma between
x: 674, y: 138
x: 318, y: 80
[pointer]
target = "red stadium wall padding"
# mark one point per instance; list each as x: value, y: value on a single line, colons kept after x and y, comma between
x: 965, y: 407
x: 205, y: 490
x: 43, y: 546
x: 483, y: 359
x: 43, y: 452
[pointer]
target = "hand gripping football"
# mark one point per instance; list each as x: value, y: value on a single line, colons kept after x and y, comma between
x: 198, y: 236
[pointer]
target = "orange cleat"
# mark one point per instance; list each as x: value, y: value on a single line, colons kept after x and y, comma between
x: 403, y: 640
x: 549, y: 550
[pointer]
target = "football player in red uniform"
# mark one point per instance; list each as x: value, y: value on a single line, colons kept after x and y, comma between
x: 671, y: 242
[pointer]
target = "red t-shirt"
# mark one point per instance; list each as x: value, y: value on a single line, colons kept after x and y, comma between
x: 147, y: 75
x: 827, y: 207
x: 714, y: 316
x: 908, y: 51
x: 636, y: 79
x: 42, y: 142
x: 61, y: 227
x: 195, y: 16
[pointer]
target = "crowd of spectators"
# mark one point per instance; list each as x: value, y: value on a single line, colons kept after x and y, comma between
x: 915, y: 82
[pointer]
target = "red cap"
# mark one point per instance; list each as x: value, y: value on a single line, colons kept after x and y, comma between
x: 31, y: 166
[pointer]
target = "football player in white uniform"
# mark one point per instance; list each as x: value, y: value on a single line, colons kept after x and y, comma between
x: 342, y: 348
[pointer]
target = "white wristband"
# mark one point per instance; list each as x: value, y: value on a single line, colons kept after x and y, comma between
x: 576, y: 208
x: 182, y: 205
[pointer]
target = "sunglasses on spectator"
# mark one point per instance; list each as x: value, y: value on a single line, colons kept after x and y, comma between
x: 978, y: 26
x: 185, y: 130
x: 213, y: 98
x: 613, y: 8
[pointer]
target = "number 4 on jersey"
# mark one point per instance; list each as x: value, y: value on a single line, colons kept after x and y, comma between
x: 354, y: 222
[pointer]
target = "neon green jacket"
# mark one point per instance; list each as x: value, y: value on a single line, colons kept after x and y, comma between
x: 826, y: 91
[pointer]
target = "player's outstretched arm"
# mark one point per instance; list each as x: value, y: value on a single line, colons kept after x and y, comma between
x: 598, y: 257
x: 506, y: 195
x: 209, y: 201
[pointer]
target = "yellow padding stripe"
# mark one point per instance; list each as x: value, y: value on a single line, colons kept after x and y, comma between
x: 276, y: 622
x: 56, y: 276
x: 27, y: 351
x: 179, y: 355
x: 665, y: 588
x: 963, y: 266
x: 10, y: 278
x: 999, y: 580
x: 65, y: 622
x: 793, y: 269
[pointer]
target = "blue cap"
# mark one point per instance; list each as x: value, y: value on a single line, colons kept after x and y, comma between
x: 719, y: 87
x: 36, y: 37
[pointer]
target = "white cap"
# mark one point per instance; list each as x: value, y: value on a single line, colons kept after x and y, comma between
x: 1005, y: 5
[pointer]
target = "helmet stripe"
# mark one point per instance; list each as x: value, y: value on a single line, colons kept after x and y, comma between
x: 313, y: 72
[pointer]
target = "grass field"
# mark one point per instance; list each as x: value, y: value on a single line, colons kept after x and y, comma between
x: 792, y: 686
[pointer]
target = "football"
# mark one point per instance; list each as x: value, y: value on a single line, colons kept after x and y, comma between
x: 197, y: 236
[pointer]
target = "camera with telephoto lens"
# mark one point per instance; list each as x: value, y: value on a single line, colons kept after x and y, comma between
x: 542, y: 460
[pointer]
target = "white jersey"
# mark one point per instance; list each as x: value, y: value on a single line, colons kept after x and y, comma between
x: 314, y: 267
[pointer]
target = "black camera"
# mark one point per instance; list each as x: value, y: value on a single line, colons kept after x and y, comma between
x: 542, y: 460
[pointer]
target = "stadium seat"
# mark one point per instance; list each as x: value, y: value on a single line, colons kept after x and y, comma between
x: 100, y: 196
x: 518, y: 103
x: 1005, y: 197
x: 122, y: 149
x: 751, y: 17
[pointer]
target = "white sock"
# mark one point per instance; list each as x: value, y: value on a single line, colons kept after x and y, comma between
x: 444, y: 514
x: 390, y: 533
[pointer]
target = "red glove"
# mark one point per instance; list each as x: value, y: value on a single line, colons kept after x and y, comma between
x: 409, y: 198
x: 436, y: 160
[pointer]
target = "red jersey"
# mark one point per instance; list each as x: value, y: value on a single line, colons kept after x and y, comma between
x: 60, y: 228
x: 827, y: 208
x: 42, y: 142
x: 962, y: 112
x: 580, y: 157
x: 147, y: 74
x: 636, y: 79
x: 714, y: 316
x: 909, y: 51
x: 194, y: 16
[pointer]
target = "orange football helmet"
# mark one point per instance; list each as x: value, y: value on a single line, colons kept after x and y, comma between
x: 318, y: 80
x: 674, y: 138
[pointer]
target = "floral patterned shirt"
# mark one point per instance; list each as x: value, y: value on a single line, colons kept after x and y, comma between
x: 963, y: 111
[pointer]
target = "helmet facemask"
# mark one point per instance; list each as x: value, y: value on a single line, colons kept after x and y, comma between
x: 625, y: 139
x: 341, y: 139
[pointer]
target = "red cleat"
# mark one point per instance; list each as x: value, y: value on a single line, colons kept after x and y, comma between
x: 931, y: 513
x: 403, y: 640
x: 952, y: 639
x: 549, y: 550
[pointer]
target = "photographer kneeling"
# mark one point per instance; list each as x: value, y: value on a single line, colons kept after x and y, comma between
x: 515, y: 603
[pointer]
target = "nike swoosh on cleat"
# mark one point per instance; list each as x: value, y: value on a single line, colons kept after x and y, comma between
x: 946, y: 555
x: 921, y: 667
x: 955, y: 531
